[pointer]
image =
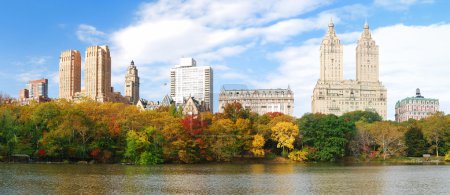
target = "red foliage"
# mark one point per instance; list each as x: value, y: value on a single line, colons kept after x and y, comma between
x: 95, y: 153
x: 41, y: 152
x: 114, y: 126
x: 272, y: 115
x: 193, y: 125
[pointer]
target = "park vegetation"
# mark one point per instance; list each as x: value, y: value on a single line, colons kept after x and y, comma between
x: 60, y: 130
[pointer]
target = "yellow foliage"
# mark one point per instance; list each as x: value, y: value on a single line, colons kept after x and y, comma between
x: 298, y: 156
x: 257, y: 145
x: 285, y: 133
x: 447, y: 156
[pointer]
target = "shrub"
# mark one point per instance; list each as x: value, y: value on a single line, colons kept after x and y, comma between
x: 447, y: 156
x: 298, y: 155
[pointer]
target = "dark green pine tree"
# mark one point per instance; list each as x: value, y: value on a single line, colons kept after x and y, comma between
x: 415, y: 142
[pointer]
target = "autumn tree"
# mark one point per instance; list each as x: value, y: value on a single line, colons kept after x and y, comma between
x: 257, y: 145
x: 388, y: 136
x: 436, y: 127
x: 285, y: 134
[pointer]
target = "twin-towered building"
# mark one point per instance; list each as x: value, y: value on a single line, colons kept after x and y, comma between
x: 97, y: 77
x: 334, y: 95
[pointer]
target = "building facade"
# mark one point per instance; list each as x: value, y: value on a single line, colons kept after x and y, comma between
x: 69, y: 74
x: 132, y: 84
x: 97, y: 73
x: 189, y: 80
x: 260, y: 101
x: 334, y: 95
x: 417, y: 107
x: 36, y: 90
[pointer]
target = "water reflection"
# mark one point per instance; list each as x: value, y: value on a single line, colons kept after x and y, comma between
x: 223, y: 179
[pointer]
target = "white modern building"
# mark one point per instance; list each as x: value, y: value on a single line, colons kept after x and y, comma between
x: 189, y: 80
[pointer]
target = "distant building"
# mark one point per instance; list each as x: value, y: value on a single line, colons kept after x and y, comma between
x: 189, y: 80
x: 334, y: 95
x: 193, y: 107
x: 151, y: 105
x: 97, y: 73
x: 69, y: 74
x: 97, y: 76
x: 417, y: 107
x: 132, y: 84
x: 260, y: 101
x: 37, y: 90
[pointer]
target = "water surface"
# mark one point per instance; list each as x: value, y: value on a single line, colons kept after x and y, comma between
x: 224, y: 179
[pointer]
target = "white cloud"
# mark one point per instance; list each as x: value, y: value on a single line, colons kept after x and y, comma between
x: 410, y: 57
x: 400, y: 4
x: 90, y: 34
x: 209, y: 31
x: 38, y: 60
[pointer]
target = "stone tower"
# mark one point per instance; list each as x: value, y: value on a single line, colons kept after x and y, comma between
x: 69, y: 74
x: 331, y: 56
x: 98, y: 73
x: 367, y: 68
x: 132, y: 84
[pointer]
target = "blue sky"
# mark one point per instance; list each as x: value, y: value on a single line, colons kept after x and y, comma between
x: 263, y: 44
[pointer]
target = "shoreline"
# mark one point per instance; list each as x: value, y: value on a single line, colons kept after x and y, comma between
x: 277, y: 160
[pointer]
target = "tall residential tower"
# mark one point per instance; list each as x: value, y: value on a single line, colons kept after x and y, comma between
x: 189, y: 80
x: 132, y: 84
x: 97, y: 75
x: 69, y: 74
x: 331, y: 56
x: 367, y: 57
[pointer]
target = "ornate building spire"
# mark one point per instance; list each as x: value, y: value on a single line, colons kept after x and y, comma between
x: 132, y: 84
x: 331, y: 56
x: 367, y: 57
x: 331, y: 31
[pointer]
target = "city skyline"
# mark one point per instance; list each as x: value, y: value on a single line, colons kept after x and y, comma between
x: 271, y: 45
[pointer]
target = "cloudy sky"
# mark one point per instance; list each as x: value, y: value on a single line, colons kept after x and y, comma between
x: 262, y: 44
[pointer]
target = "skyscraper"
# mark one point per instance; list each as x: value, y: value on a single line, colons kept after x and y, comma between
x: 367, y: 57
x: 97, y: 76
x: 69, y: 74
x: 331, y: 56
x: 132, y: 84
x: 332, y: 94
x: 189, y: 80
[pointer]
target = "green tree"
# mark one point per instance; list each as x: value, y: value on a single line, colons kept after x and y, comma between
x: 415, y: 142
x: 140, y: 149
x: 328, y: 135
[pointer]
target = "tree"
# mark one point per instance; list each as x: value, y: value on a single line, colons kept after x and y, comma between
x: 140, y: 149
x: 235, y: 110
x: 387, y: 135
x: 366, y: 116
x: 285, y: 133
x: 257, y: 145
x: 415, y: 142
x: 328, y: 135
x: 435, y: 128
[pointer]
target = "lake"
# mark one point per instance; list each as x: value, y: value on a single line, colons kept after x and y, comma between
x: 224, y: 179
